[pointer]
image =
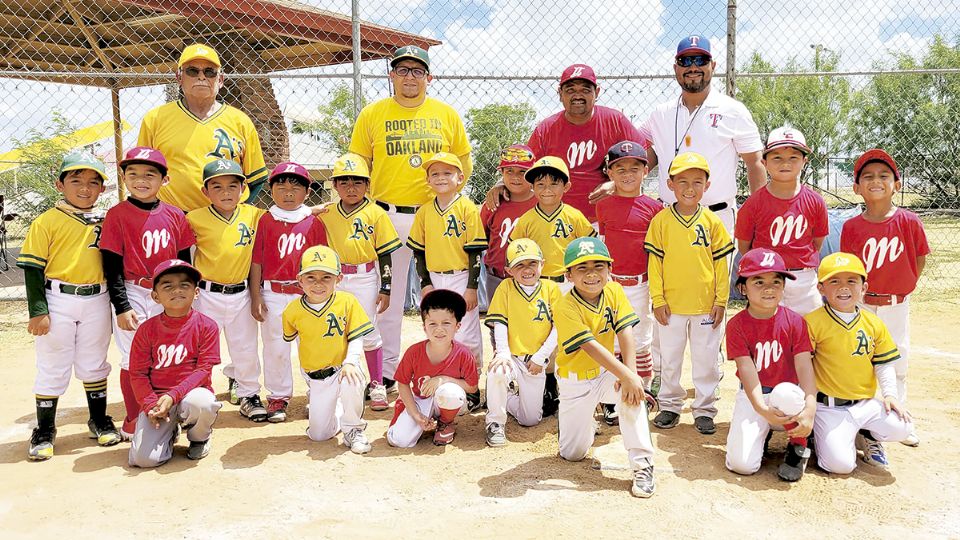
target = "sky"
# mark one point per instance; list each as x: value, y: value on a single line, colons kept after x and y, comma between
x: 539, y: 38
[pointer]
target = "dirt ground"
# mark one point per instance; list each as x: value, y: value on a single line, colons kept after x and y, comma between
x: 270, y: 480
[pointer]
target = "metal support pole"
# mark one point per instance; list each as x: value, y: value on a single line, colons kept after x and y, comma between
x: 117, y: 137
x: 357, y: 82
x: 731, y: 48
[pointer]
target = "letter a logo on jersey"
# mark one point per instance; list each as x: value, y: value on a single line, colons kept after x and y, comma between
x: 361, y: 230
x: 562, y: 230
x: 225, y: 146
x: 334, y: 326
x: 543, y: 312
x: 607, y: 320
x: 246, y: 235
x: 454, y: 226
x: 701, y: 239
x: 863, y: 344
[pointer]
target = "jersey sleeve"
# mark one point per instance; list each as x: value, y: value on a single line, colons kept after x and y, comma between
x: 476, y: 237
x: 572, y: 330
x: 746, y: 136
x: 385, y: 235
x: 139, y: 368
x: 111, y: 232
x: 653, y: 244
x: 626, y: 316
x: 520, y: 229
x: 404, y: 374
x: 36, y: 246
x: 185, y: 235
x: 745, y: 226
x: 582, y: 227
x: 318, y: 233
x: 885, y: 350
x: 720, y: 239
x: 497, y: 310
x: 736, y: 340
x: 486, y: 218
x: 801, y: 337
x: 289, y: 325
x: 821, y: 219
x: 919, y: 237
x: 252, y: 162
x: 847, y: 240
x: 147, y: 130
x: 601, y: 217
x: 536, y: 142
x: 417, y: 239
x: 468, y: 368
x: 553, y: 296
x: 358, y: 324
x: 258, y: 242
x: 361, y: 140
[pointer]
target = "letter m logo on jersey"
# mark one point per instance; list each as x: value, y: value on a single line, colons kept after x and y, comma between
x: 786, y: 229
x: 768, y: 352
x: 701, y: 236
x: 334, y: 325
x: 454, y: 227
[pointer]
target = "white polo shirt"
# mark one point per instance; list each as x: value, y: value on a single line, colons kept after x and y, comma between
x: 721, y: 130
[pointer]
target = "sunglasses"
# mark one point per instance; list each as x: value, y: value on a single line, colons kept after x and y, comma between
x: 192, y: 71
x: 698, y: 60
x: 403, y: 71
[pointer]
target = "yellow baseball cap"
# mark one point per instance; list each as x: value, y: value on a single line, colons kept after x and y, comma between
x: 443, y: 157
x: 551, y: 164
x: 687, y: 161
x: 319, y: 258
x: 523, y: 249
x: 350, y: 165
x: 199, y: 51
x: 840, y: 262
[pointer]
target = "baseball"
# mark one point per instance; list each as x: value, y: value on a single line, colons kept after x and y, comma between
x: 788, y: 398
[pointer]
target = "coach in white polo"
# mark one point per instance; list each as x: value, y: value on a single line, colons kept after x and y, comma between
x: 710, y: 123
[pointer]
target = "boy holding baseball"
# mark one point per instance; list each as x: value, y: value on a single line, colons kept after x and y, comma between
x: 171, y: 359
x: 771, y: 347
x: 893, y: 246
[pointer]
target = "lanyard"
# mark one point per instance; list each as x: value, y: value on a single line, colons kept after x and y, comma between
x: 676, y: 128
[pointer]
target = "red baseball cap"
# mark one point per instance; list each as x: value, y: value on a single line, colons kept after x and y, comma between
x: 578, y: 71
x: 145, y: 154
x: 517, y: 155
x: 175, y: 265
x: 870, y: 156
x: 760, y: 261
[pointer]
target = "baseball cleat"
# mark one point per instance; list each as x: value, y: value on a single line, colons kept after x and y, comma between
x: 391, y: 386
x: 912, y: 440
x: 378, y: 397
x: 253, y: 408
x: 41, y: 444
x: 666, y: 420
x: 643, y: 483
x: 232, y: 390
x: 794, y: 463
x: 873, y: 452
x: 445, y: 433
x: 198, y: 449
x: 496, y: 436
x: 276, y: 410
x: 104, y: 431
x: 356, y: 441
x: 705, y: 425
x: 473, y: 401
x: 610, y: 415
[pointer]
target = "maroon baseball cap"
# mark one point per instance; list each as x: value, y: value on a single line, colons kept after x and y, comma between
x: 296, y: 170
x: 517, y: 155
x: 870, y: 156
x: 624, y: 150
x: 145, y: 154
x: 760, y: 261
x: 578, y: 71
x: 175, y: 265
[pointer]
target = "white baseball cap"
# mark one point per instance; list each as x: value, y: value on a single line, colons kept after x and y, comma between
x: 786, y: 136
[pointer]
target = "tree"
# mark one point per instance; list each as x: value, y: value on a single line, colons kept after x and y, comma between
x: 817, y: 106
x: 913, y: 117
x: 491, y: 129
x: 335, y: 125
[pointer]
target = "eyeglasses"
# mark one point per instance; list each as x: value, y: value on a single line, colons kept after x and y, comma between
x: 193, y: 71
x: 403, y: 71
x: 699, y: 60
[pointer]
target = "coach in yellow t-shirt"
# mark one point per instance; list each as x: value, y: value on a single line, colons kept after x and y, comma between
x: 197, y: 129
x: 397, y: 135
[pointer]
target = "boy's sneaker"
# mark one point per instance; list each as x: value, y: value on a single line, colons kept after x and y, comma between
x: 232, y: 390
x: 496, y: 436
x: 252, y: 408
x: 473, y: 401
x: 610, y: 415
x: 276, y: 410
x: 378, y: 397
x: 104, y: 431
x: 794, y: 463
x: 666, y: 420
x: 705, y: 425
x: 643, y: 483
x: 912, y: 440
x: 198, y: 449
x: 127, y: 429
x: 390, y: 385
x: 873, y: 452
x: 445, y: 433
x: 41, y: 444
x: 356, y: 441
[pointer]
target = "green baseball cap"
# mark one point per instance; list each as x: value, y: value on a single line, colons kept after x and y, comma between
x: 75, y: 161
x: 413, y: 52
x: 222, y: 167
x: 585, y: 248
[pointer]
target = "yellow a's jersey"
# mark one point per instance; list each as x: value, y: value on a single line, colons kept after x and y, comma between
x: 362, y: 235
x: 325, y: 333
x: 688, y: 267
x: 844, y: 354
x: 529, y: 318
x: 552, y: 233
x: 65, y: 247
x: 224, y: 246
x: 447, y: 235
x: 397, y: 140
x: 189, y: 143
x: 579, y: 322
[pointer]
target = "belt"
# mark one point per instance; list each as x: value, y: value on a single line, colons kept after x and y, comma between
x: 357, y: 268
x: 146, y: 283
x: 324, y: 373
x: 558, y: 279
x: 764, y: 389
x: 234, y: 288
x: 76, y: 290
x: 630, y: 281
x: 831, y: 401
x: 285, y: 287
x: 579, y: 375
x: 718, y: 207
x: 396, y: 208
x: 449, y: 272
x: 875, y: 299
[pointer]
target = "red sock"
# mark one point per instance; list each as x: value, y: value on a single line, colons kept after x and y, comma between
x: 129, y: 400
x: 644, y: 365
x: 447, y: 416
x: 375, y: 364
x: 798, y: 441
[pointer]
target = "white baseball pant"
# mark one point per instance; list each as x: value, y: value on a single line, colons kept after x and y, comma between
x: 490, y: 284
x: 748, y: 431
x: 232, y: 314
x: 639, y: 297
x: 801, y: 294
x: 78, y: 339
x: 405, y: 432
x: 835, y: 431
x: 335, y: 405
x: 366, y: 287
x: 153, y: 446
x: 469, y: 334
x: 578, y: 403
x: 277, y: 367
x: 144, y: 306
x: 897, y: 319
x: 526, y: 405
x: 390, y: 321
x: 704, y: 344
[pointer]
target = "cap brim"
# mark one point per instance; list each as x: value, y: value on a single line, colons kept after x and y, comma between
x: 784, y: 273
x: 124, y: 163
x: 326, y: 269
x: 787, y: 144
x: 527, y: 175
x: 694, y: 50
x: 393, y: 63
x: 82, y: 167
x: 638, y: 158
x: 674, y: 172
x: 243, y: 179
x: 179, y: 269
x: 591, y: 81
x: 302, y: 179
x: 185, y: 61
x: 586, y: 258
x: 840, y: 271
x: 522, y: 258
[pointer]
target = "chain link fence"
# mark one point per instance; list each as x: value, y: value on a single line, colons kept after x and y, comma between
x: 82, y: 73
